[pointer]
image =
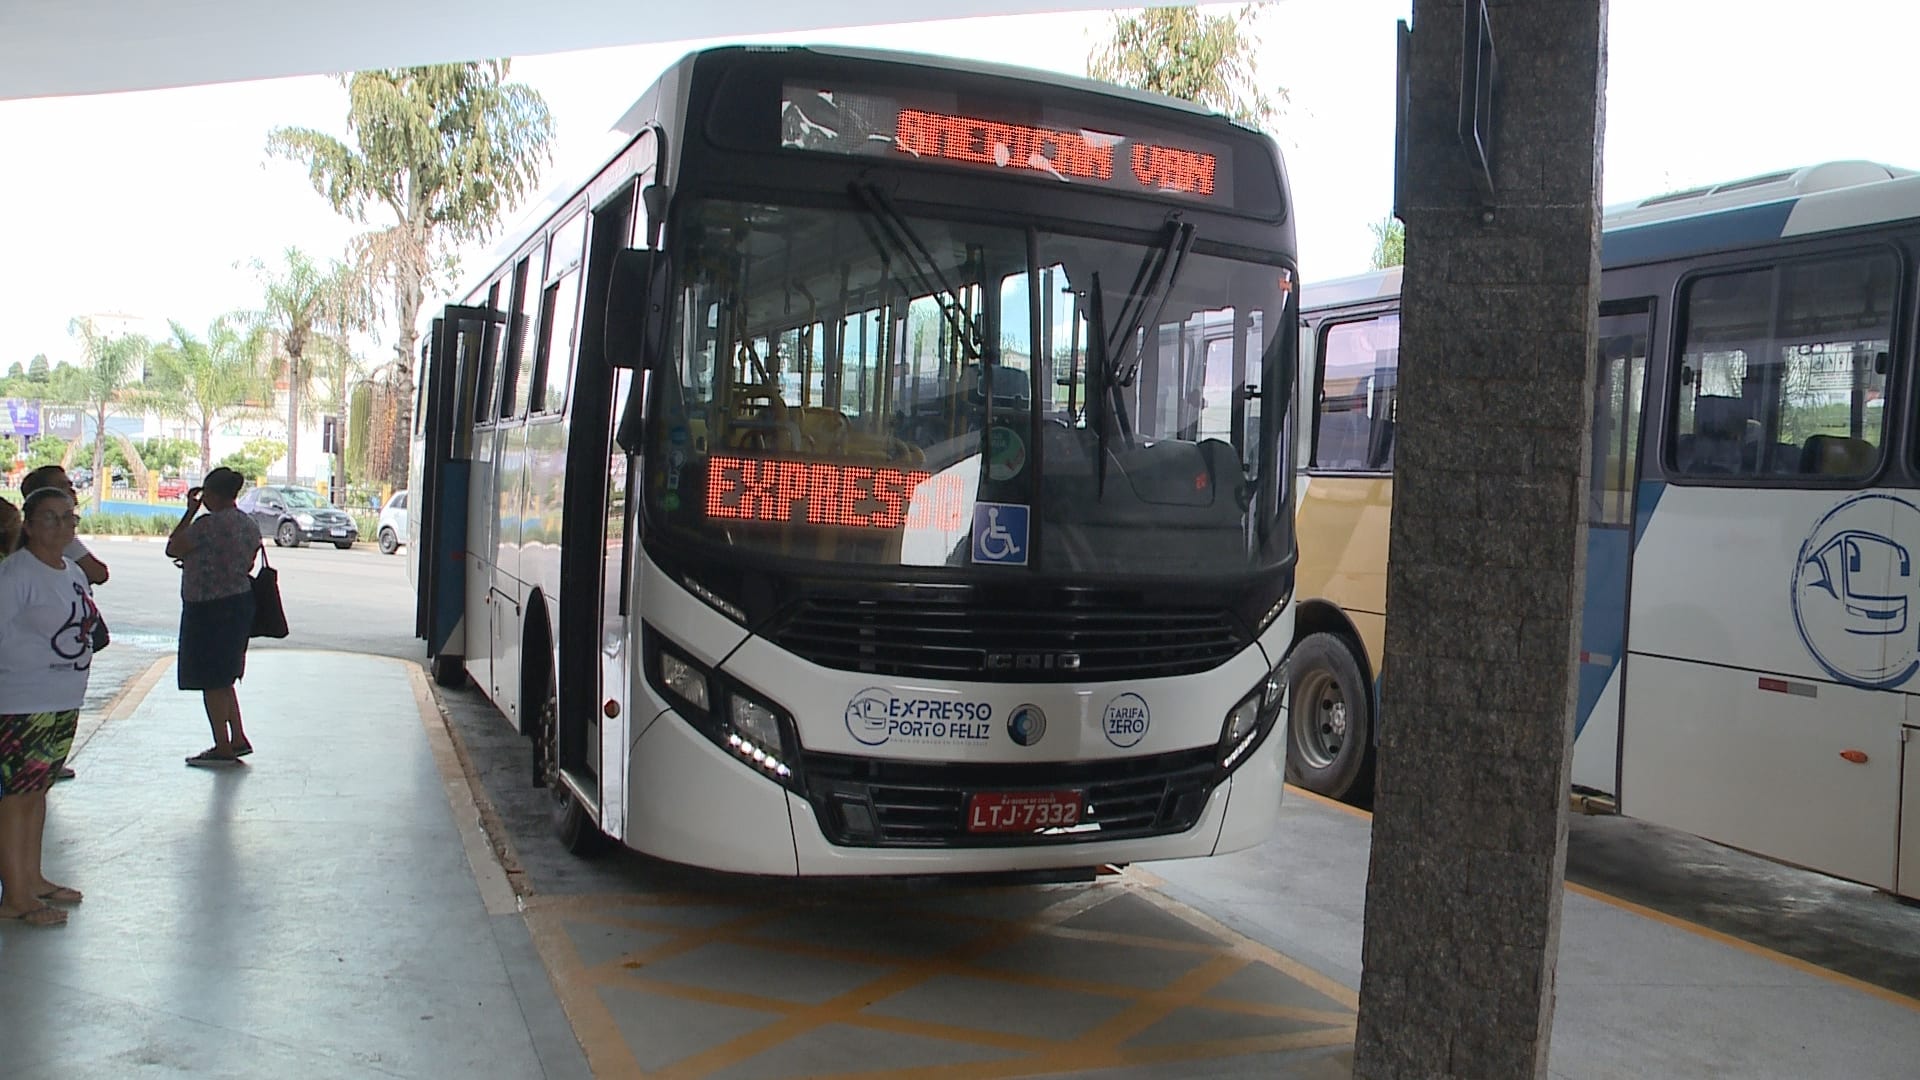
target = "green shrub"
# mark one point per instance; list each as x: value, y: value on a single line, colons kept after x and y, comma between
x: 125, y: 524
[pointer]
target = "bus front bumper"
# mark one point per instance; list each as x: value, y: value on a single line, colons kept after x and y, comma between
x: 693, y: 803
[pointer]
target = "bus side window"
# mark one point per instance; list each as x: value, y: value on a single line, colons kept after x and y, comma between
x: 1783, y: 372
x: 514, y: 386
x: 483, y: 383
x: 559, y: 314
x: 1357, y: 395
x: 559, y: 317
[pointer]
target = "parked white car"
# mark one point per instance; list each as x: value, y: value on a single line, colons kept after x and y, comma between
x: 393, y: 523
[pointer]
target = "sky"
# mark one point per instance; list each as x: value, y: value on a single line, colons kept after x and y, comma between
x: 151, y: 206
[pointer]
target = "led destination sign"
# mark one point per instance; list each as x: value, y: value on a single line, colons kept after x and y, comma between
x: 1069, y: 149
x: 824, y: 493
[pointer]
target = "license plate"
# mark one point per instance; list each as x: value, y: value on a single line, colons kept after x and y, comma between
x: 339, y: 532
x: 1022, y: 811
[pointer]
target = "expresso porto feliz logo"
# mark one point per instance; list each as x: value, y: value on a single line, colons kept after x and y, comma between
x: 876, y: 716
x: 1855, y: 594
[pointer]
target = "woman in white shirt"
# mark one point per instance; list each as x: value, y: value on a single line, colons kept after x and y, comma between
x: 46, y: 651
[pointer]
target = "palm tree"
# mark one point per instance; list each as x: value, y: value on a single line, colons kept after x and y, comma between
x: 113, y: 364
x: 444, y: 149
x: 297, y: 303
x: 217, y: 379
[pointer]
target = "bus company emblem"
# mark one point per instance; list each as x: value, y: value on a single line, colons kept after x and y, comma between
x: 1027, y: 725
x: 1855, y: 592
x: 877, y: 715
x: 1126, y: 720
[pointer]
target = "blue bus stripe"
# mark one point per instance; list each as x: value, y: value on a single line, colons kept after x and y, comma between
x: 1603, y: 620
x: 1688, y: 235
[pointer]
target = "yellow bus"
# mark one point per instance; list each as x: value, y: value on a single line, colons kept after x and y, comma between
x: 1750, y: 625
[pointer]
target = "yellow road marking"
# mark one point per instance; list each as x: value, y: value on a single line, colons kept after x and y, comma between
x: 1794, y: 962
x: 1678, y: 923
x: 610, y: 1056
x: 1331, y: 804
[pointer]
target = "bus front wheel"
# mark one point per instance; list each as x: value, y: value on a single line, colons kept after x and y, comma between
x: 1329, y: 722
x: 572, y: 825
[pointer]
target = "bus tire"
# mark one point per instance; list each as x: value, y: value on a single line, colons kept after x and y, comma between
x: 450, y: 671
x: 572, y: 825
x: 1329, y: 720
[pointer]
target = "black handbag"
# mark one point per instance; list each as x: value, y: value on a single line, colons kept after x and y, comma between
x: 269, y: 618
x: 100, y: 636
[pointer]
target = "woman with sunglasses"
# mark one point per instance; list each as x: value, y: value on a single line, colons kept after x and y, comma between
x: 46, y: 653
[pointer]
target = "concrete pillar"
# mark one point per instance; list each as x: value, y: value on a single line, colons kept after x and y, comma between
x: 1487, y: 554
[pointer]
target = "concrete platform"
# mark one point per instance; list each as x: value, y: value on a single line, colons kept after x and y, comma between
x: 311, y: 914
x: 334, y: 908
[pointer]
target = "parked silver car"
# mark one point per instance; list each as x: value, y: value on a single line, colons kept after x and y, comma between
x: 393, y: 523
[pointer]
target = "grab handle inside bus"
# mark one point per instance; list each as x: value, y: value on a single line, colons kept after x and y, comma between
x: 635, y: 312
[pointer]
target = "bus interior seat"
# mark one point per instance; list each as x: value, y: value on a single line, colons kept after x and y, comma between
x: 1837, y: 455
x: 822, y: 430
x: 1720, y: 425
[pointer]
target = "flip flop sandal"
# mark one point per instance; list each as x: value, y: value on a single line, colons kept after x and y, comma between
x: 40, y: 916
x: 213, y: 758
x: 63, y: 895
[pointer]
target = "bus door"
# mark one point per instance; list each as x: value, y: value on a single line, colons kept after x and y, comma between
x: 617, y: 603
x: 1907, y: 874
x: 453, y: 360
x: 1619, y: 401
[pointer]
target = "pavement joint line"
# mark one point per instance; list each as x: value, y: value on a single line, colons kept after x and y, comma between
x: 1808, y: 967
x: 128, y: 698
x: 496, y: 891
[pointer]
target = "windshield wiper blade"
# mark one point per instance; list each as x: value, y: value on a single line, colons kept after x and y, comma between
x: 900, y: 234
x: 1104, y: 400
x: 1152, y: 284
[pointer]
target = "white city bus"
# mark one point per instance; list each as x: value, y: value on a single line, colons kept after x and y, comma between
x: 878, y: 467
x: 1751, y: 629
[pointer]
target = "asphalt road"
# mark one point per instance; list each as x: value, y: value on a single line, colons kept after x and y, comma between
x: 352, y: 601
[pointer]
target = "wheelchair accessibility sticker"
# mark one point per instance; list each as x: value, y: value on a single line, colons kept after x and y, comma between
x: 1000, y: 533
x: 1854, y: 592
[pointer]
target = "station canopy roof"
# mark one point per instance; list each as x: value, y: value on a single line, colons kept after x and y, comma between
x: 60, y: 47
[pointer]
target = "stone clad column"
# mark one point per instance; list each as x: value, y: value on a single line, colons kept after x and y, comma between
x: 1487, y: 553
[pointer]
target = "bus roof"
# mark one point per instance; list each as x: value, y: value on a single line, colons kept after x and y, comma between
x: 1779, y: 205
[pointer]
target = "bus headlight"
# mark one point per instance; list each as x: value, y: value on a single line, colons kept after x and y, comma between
x: 683, y: 679
x: 1251, y: 718
x: 743, y: 722
x: 755, y: 733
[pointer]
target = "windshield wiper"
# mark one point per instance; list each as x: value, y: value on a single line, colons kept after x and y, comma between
x: 1152, y: 284
x: 1103, y: 401
x: 900, y: 235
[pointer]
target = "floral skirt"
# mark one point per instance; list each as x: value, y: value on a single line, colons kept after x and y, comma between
x: 33, y: 747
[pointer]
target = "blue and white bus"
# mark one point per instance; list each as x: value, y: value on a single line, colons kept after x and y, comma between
x: 1752, y: 610
x: 878, y: 467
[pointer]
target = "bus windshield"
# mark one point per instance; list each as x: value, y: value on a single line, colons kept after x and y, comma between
x: 863, y: 386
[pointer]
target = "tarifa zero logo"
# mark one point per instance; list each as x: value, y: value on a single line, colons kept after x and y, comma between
x: 1856, y: 599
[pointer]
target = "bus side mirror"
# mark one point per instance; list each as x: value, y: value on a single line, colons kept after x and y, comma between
x: 636, y: 312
